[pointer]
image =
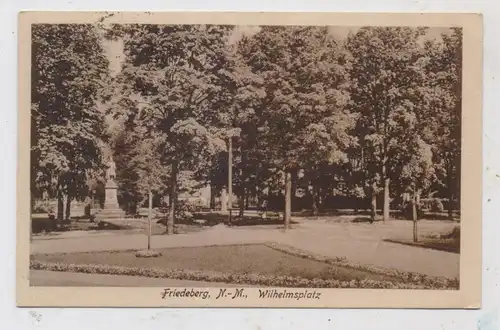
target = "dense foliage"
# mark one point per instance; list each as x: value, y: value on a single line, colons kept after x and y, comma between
x: 69, y: 72
x: 314, y: 122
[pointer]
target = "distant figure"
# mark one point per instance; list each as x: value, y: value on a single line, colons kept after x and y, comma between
x: 111, y: 171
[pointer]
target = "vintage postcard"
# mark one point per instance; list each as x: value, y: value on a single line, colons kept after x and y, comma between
x: 190, y: 159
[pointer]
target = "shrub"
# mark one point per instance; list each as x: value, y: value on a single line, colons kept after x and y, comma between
x: 148, y: 254
x: 184, y: 212
x: 432, y: 204
x: 407, y: 210
x: 43, y: 206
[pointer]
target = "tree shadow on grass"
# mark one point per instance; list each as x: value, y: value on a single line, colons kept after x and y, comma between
x: 448, y: 245
x: 362, y: 220
x: 248, y: 221
x: 49, y: 225
x: 213, y: 219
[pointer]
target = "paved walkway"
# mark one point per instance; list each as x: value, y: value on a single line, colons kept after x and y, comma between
x: 361, y: 243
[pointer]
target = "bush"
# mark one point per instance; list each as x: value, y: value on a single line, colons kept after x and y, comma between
x: 43, y: 206
x: 407, y: 210
x: 184, y: 212
x: 432, y: 204
x: 148, y: 254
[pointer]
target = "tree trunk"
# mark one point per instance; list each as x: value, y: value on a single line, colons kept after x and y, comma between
x: 241, y: 202
x: 88, y: 207
x: 419, y: 193
x: 223, y: 200
x: 32, y: 202
x: 150, y: 217
x: 294, y: 177
x: 318, y: 197
x: 288, y: 199
x: 321, y: 198
x: 173, y: 200
x: 314, y: 200
x: 67, y: 215
x: 373, y: 215
x: 386, y: 192
x: 449, y: 177
x: 32, y: 208
x: 212, y: 197
x: 456, y: 186
x: 169, y: 208
x: 414, y: 215
x: 230, y: 175
x: 450, y: 209
x: 60, y: 207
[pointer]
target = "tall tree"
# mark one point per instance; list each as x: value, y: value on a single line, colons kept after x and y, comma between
x: 69, y: 73
x: 387, y: 74
x: 416, y: 173
x: 244, y: 117
x: 304, y: 97
x: 179, y: 72
x: 444, y: 109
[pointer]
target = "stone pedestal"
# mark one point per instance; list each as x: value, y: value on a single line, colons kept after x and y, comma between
x: 111, y: 200
x: 111, y: 208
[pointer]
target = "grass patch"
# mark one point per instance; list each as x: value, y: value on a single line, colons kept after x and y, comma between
x: 222, y: 277
x: 258, y: 221
x: 449, y: 242
x: 212, y: 219
x: 231, y: 259
x: 441, y: 244
x: 238, y: 264
x: 44, y: 225
x: 429, y: 282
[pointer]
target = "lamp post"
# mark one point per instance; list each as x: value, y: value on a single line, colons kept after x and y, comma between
x: 92, y: 205
x: 150, y: 215
x: 231, y: 133
x: 230, y: 178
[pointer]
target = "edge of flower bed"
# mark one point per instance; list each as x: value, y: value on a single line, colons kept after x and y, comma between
x: 212, y: 276
x: 135, y: 250
x: 414, y: 278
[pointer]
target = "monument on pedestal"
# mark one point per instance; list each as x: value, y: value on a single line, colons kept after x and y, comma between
x: 111, y: 208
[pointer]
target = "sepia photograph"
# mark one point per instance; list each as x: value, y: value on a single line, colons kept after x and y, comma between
x: 248, y: 162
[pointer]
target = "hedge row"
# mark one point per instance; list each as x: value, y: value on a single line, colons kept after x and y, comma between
x: 429, y: 282
x: 148, y: 254
x: 212, y: 276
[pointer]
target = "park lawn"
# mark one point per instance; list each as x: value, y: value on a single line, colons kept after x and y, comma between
x: 255, y: 219
x: 449, y: 242
x: 441, y: 244
x: 43, y: 226
x: 140, y: 225
x: 234, y: 259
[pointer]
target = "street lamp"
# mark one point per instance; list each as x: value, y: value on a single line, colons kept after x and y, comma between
x: 230, y: 134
